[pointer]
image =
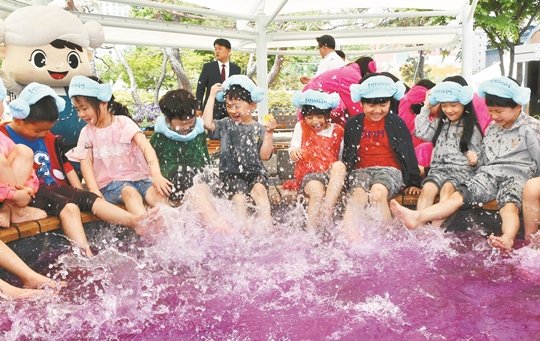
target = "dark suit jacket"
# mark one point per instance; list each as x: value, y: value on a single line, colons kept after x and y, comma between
x: 210, y: 75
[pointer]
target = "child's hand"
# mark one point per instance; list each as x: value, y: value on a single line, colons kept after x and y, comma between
x: 472, y: 157
x: 162, y: 185
x: 27, y: 189
x: 295, y: 154
x: 21, y: 198
x: 413, y: 190
x: 269, y: 122
x: 215, y: 89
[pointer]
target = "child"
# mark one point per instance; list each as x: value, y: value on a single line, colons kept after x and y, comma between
x: 180, y: 143
x: 18, y: 181
x: 34, y: 114
x: 456, y: 136
x: 244, y: 143
x: 315, y: 146
x: 531, y: 207
x: 117, y: 161
x: 378, y: 149
x: 33, y: 282
x: 410, y: 106
x: 510, y: 156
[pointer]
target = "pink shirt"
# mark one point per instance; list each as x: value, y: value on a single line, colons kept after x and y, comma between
x: 6, y: 191
x: 339, y: 80
x: 115, y: 155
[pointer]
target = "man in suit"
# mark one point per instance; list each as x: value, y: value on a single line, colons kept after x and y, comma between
x: 216, y: 72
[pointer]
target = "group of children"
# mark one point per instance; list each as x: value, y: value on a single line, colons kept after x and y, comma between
x: 372, y: 157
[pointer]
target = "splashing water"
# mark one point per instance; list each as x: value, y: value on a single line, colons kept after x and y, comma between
x: 285, y: 284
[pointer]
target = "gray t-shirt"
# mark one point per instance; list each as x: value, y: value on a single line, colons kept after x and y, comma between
x: 240, y: 146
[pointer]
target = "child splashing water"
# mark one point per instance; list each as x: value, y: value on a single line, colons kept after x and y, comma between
x: 244, y: 144
x: 378, y: 150
x: 510, y: 156
x: 180, y: 143
x: 117, y: 161
x: 456, y: 137
x: 315, y: 147
x: 60, y: 192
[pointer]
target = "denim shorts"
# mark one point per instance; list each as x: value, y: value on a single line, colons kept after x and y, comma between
x: 113, y: 191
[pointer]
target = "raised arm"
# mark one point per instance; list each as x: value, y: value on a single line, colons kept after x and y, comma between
x: 208, y: 114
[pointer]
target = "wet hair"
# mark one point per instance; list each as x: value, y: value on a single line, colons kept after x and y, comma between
x: 180, y: 104
x: 468, y: 119
x: 115, y: 108
x: 44, y: 110
x: 60, y: 44
x: 497, y: 101
x: 308, y: 110
x: 426, y: 83
x: 222, y: 42
x: 363, y: 63
x: 237, y: 92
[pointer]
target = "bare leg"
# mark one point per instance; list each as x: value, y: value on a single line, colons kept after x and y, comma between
x: 260, y: 196
x: 133, y: 200
x: 153, y: 198
x: 12, y: 292
x: 201, y: 197
x: 338, y: 171
x: 70, y: 218
x: 314, y: 191
x: 5, y: 213
x: 21, y: 163
x: 240, y: 205
x: 114, y: 214
x: 446, y: 191
x: 441, y: 210
x: 510, y: 227
x: 355, y: 206
x: 531, y: 207
x: 427, y: 196
x: 12, y: 263
x: 379, y: 198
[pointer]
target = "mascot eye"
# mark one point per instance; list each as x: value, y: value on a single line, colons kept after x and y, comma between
x: 73, y: 60
x: 39, y: 58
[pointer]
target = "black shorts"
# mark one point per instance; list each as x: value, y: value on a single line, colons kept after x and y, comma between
x: 242, y: 183
x: 53, y: 199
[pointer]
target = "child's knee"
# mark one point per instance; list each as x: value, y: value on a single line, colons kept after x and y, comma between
x: 258, y: 192
x: 338, y: 168
x: 129, y: 192
x: 70, y: 209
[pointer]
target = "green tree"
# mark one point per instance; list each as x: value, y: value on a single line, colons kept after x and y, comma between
x: 412, y: 71
x: 504, y: 22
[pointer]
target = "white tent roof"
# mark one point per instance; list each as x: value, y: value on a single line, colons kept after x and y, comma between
x: 255, y: 31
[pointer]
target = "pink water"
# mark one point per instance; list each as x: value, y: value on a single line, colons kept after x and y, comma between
x: 288, y: 285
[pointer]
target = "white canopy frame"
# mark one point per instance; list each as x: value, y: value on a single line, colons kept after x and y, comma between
x: 261, y: 13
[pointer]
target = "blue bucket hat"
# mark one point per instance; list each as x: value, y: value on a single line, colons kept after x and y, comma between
x: 256, y: 93
x: 506, y: 88
x: 84, y: 86
x: 450, y: 92
x: 318, y: 99
x: 377, y: 87
x: 33, y: 92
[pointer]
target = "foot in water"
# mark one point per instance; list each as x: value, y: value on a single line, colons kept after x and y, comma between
x: 37, y: 281
x: 151, y: 223
x: 20, y: 215
x: 408, y: 217
x: 503, y: 243
x: 13, y: 293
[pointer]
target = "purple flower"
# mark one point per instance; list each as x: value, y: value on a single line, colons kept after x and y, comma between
x: 148, y: 112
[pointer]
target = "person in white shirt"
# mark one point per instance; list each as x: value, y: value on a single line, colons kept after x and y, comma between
x: 331, y: 60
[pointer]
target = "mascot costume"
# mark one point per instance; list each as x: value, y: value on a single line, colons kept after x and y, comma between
x: 48, y: 45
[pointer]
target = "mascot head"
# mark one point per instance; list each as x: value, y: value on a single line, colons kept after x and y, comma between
x: 47, y: 45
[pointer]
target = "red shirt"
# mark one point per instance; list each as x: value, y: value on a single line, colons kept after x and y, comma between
x: 375, y: 149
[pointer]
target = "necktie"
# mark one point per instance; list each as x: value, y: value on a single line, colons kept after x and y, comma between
x: 222, y: 73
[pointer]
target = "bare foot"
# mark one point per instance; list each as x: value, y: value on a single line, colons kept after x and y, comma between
x: 503, y: 243
x: 4, y: 215
x: 14, y: 293
x: 38, y: 281
x: 152, y: 223
x: 408, y: 217
x: 221, y: 226
x: 20, y: 215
